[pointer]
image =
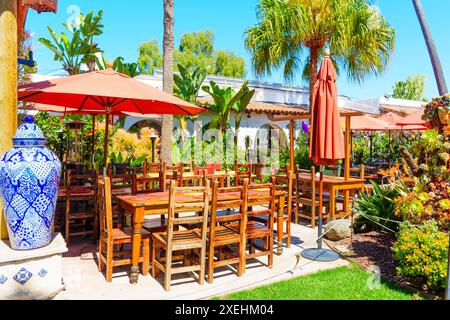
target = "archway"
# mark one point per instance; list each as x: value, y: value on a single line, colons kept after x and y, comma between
x: 136, y: 128
x: 269, y: 141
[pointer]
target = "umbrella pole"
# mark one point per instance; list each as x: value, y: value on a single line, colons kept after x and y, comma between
x: 105, y: 146
x: 93, y: 142
x: 320, y: 224
x: 390, y: 149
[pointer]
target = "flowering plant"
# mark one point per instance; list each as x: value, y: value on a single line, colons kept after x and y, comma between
x: 437, y: 112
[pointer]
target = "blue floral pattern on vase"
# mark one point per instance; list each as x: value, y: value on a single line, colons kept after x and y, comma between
x: 29, y: 182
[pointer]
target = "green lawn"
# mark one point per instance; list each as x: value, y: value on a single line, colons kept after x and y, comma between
x: 344, y: 283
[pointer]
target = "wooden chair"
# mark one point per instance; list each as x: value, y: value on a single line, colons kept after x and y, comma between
x: 221, y: 237
x: 242, y: 172
x: 111, y: 237
x: 284, y: 181
x: 306, y: 196
x: 254, y: 229
x: 80, y: 218
x: 182, y: 240
x: 358, y: 173
x: 145, y: 185
x: 179, y: 169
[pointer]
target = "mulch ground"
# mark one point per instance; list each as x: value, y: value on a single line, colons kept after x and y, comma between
x: 374, y: 249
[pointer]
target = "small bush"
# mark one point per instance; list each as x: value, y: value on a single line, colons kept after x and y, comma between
x: 422, y: 252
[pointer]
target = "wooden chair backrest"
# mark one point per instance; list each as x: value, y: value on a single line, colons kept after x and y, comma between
x: 120, y: 168
x: 74, y: 181
x: 306, y: 189
x: 143, y: 184
x: 105, y: 206
x: 199, y: 209
x: 236, y: 199
x: 177, y: 170
x: 122, y: 180
x: 297, y: 169
x: 241, y: 172
x: 265, y: 198
x: 187, y: 167
x: 152, y: 167
x: 200, y: 178
x: 358, y: 172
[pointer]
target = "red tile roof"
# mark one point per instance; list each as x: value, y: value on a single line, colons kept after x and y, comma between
x: 269, y: 108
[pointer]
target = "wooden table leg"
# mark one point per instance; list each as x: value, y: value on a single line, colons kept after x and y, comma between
x: 136, y: 251
x: 332, y: 202
x: 280, y: 225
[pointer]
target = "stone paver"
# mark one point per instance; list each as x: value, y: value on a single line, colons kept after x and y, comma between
x: 83, y: 281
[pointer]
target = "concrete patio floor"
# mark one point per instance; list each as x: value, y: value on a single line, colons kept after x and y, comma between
x: 83, y: 281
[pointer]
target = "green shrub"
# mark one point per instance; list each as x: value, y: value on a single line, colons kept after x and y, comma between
x: 422, y: 252
x: 301, y: 155
x: 380, y: 203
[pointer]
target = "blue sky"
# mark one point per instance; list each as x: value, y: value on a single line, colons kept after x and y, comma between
x: 129, y: 23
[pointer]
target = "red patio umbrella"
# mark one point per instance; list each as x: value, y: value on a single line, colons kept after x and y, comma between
x: 390, y: 117
x: 327, y: 139
x: 105, y: 92
x: 368, y: 123
x: 65, y: 110
x: 413, y: 119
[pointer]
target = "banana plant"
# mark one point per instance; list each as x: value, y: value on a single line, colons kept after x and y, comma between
x: 91, y: 26
x: 80, y: 48
x: 68, y: 52
x: 187, y: 87
x: 224, y: 101
x: 239, y: 111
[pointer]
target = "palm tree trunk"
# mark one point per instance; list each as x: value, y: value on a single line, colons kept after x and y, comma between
x: 167, y: 120
x: 8, y: 80
x: 313, y: 62
x: 437, y: 67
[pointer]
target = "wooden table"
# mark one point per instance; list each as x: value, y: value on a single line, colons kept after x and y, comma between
x: 157, y: 203
x: 333, y: 184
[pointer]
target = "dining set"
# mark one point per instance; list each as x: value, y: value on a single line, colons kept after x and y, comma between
x: 188, y: 219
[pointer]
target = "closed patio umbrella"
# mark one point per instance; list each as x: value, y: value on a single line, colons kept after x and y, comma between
x: 327, y: 140
x: 105, y: 92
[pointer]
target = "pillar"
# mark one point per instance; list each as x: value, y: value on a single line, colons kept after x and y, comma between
x: 8, y: 81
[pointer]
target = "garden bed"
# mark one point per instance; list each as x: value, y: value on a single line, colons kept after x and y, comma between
x: 374, y: 249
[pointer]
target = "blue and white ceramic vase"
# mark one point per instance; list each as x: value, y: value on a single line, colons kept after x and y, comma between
x: 29, y: 182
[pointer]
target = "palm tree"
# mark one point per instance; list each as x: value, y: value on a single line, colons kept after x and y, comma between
x: 167, y: 120
x: 437, y: 67
x: 292, y: 35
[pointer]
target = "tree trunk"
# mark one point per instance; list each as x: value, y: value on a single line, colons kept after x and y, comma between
x: 437, y: 67
x: 167, y: 120
x: 313, y: 62
x: 8, y: 82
